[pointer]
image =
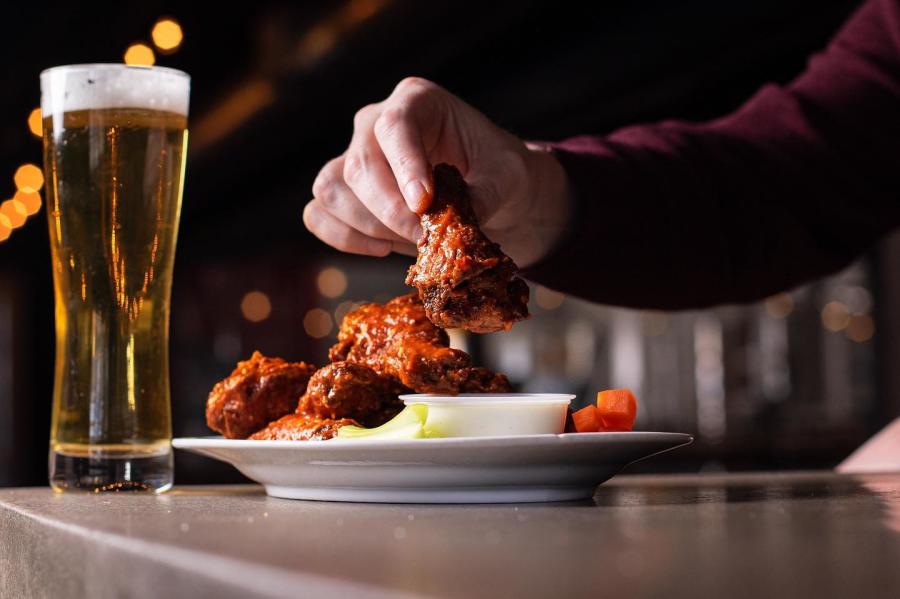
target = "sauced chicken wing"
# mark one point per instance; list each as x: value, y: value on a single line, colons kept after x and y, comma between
x: 464, y: 279
x: 301, y: 427
x: 479, y: 380
x: 397, y: 340
x: 259, y: 390
x: 338, y: 394
x: 346, y: 390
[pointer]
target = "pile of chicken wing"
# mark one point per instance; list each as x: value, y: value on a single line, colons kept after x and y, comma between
x: 463, y: 280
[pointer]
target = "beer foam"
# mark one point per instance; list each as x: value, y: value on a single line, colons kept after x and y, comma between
x: 94, y: 86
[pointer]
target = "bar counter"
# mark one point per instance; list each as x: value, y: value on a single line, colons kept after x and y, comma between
x: 803, y: 534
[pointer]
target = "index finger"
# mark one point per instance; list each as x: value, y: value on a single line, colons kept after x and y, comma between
x: 400, y: 132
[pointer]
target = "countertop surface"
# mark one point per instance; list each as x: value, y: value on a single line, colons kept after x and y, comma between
x: 739, y: 535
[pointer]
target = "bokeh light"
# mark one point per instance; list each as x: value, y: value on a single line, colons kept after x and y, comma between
x: 139, y: 55
x: 316, y: 43
x: 28, y: 177
x: 317, y: 323
x: 343, y: 309
x: 332, y: 282
x: 547, y: 298
x: 256, y: 306
x: 30, y: 199
x: 15, y: 212
x: 5, y: 228
x: 857, y: 299
x: 835, y: 316
x: 35, y: 123
x: 861, y: 328
x: 780, y: 305
x: 167, y: 35
x: 363, y: 9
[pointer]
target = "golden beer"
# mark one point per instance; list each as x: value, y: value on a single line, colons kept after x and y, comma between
x: 114, y: 159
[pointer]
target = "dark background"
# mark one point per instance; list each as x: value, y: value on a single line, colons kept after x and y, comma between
x: 274, y: 89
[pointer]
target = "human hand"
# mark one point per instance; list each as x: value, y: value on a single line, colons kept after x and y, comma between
x: 367, y: 200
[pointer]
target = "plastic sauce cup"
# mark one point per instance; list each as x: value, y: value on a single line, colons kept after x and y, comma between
x: 493, y: 414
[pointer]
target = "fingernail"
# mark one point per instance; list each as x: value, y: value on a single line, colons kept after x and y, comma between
x: 415, y: 195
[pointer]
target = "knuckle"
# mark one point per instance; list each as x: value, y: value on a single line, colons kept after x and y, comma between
x: 363, y: 115
x: 310, y: 218
x: 407, y: 164
x: 390, y: 212
x: 329, y: 199
x: 376, y: 248
x: 372, y: 227
x: 417, y: 95
x: 354, y: 166
x: 323, y: 183
x: 389, y: 120
x: 396, y: 217
x: 342, y: 240
x: 410, y: 84
x: 327, y: 178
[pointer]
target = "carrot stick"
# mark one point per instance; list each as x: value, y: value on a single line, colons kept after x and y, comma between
x: 586, y: 420
x: 616, y: 409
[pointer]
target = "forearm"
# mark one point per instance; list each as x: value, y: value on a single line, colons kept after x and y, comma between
x: 795, y: 184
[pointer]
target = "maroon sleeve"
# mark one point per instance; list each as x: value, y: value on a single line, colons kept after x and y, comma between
x: 795, y: 184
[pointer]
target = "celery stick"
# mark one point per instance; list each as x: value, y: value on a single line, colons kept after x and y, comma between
x: 408, y: 424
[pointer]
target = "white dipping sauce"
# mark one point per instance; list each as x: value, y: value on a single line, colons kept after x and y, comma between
x: 493, y: 414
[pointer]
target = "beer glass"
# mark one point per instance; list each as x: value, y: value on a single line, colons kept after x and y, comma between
x: 115, y: 138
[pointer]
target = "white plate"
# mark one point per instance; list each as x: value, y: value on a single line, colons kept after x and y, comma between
x: 457, y: 470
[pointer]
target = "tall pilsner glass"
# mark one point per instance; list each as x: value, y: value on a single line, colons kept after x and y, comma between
x: 115, y: 138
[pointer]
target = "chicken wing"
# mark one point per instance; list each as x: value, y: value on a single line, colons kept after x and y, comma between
x: 258, y: 391
x: 338, y: 394
x: 301, y: 427
x: 479, y: 380
x: 346, y: 390
x: 398, y: 340
x: 464, y: 279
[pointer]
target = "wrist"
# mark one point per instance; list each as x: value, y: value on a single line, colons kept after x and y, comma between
x: 550, y: 197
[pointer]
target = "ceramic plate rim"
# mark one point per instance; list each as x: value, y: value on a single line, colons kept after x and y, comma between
x: 221, y: 442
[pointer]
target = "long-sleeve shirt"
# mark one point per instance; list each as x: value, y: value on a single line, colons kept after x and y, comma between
x: 795, y: 184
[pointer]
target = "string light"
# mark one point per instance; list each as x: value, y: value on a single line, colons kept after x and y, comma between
x: 15, y: 213
x: 34, y: 122
x: 5, y: 227
x: 139, y: 55
x: 28, y: 178
x: 167, y: 35
x: 30, y: 199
